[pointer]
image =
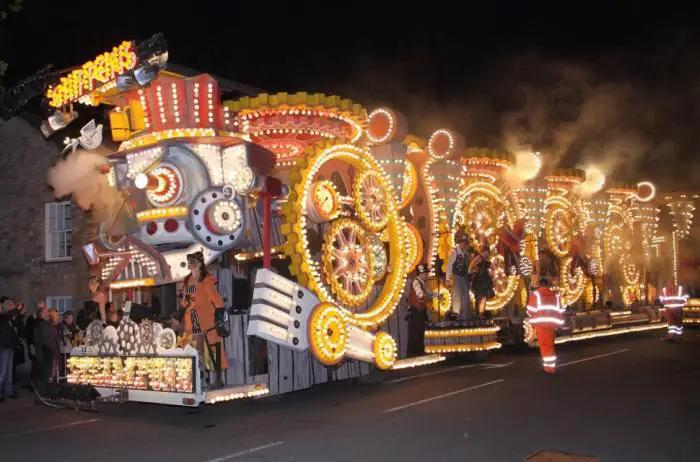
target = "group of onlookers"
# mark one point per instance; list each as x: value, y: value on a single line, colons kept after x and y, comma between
x: 44, y: 339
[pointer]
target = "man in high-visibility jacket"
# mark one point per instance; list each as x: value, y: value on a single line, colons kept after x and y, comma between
x: 673, y: 301
x: 545, y: 314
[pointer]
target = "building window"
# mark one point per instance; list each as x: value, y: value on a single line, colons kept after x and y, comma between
x: 61, y: 303
x: 58, y: 225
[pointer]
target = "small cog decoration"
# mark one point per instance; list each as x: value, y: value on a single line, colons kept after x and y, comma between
x: 385, y: 351
x: 327, y: 333
x: 129, y: 336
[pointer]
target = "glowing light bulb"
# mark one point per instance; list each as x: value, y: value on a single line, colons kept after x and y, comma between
x: 141, y: 181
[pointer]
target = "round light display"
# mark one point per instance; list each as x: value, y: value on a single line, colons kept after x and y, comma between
x: 224, y: 217
x: 381, y: 126
x: 169, y: 187
x: 215, y: 221
x: 442, y: 144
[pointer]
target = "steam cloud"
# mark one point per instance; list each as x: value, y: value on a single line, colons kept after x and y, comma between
x: 633, y: 112
x: 79, y: 175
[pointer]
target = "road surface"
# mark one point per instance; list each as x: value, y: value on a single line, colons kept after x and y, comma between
x: 627, y: 399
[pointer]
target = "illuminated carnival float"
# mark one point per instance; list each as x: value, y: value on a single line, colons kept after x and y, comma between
x: 309, y: 179
x: 594, y: 245
x: 331, y: 208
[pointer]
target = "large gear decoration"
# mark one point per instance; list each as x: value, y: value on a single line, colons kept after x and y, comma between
x: 371, y: 199
x: 348, y: 262
x: 312, y: 270
x: 482, y: 210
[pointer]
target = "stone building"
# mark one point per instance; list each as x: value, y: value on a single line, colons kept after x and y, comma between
x: 40, y: 236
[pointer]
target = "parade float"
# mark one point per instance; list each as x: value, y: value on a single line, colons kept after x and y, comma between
x: 310, y: 180
x: 324, y: 210
x: 594, y: 245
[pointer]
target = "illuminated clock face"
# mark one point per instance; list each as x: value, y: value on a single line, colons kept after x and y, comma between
x: 325, y: 200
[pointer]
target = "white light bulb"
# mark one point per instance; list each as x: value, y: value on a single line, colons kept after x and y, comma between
x: 141, y: 181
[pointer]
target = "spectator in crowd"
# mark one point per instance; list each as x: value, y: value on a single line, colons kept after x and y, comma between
x: 68, y: 334
x: 46, y: 347
x: 8, y: 343
x: 18, y: 321
x: 29, y: 338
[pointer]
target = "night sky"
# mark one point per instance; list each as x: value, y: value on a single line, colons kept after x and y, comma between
x: 618, y: 85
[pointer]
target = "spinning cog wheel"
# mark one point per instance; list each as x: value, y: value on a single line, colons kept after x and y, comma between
x: 372, y: 199
x: 346, y: 269
x: 349, y: 262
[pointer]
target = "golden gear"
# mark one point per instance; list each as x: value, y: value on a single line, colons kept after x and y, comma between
x: 385, y: 350
x: 295, y: 212
x: 371, y: 199
x: 348, y: 262
x: 327, y: 334
x: 414, y: 244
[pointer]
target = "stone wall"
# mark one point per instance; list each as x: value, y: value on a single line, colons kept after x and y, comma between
x: 25, y: 157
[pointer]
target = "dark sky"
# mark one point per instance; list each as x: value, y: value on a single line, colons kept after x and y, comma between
x: 604, y: 81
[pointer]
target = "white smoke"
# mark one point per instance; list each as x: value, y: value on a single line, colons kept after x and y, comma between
x: 79, y: 175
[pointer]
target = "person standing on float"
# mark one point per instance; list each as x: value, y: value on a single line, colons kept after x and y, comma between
x: 545, y: 315
x: 457, y: 279
x: 202, y: 300
x: 417, y: 312
x: 673, y: 301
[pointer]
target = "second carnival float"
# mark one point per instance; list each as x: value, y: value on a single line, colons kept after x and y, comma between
x: 292, y: 224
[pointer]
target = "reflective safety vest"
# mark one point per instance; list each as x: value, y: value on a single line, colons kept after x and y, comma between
x: 676, y: 300
x: 544, y: 307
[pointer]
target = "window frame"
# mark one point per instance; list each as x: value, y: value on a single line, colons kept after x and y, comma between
x: 54, y: 301
x: 48, y: 248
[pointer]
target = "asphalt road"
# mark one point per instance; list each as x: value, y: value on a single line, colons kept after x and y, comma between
x: 631, y: 399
